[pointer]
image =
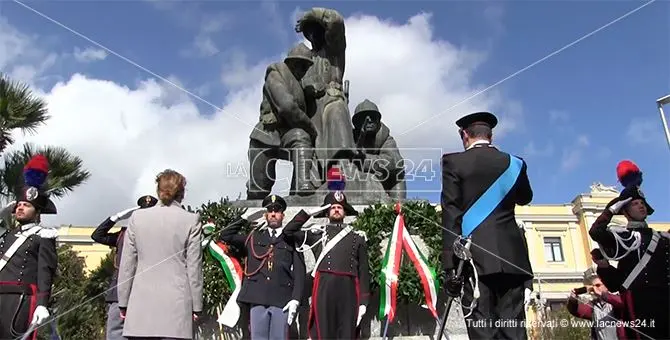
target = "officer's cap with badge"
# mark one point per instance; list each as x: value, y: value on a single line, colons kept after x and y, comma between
x: 146, y: 201
x: 630, y: 177
x: 33, y: 187
x: 477, y: 118
x: 337, y: 197
x: 274, y: 203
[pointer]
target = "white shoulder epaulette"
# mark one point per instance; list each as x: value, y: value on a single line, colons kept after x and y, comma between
x: 362, y: 234
x: 48, y: 232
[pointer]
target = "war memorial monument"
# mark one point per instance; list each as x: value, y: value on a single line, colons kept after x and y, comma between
x: 304, y: 118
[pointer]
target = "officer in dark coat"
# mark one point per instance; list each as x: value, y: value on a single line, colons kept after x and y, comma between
x: 341, y: 274
x: 498, y: 251
x: 379, y: 151
x: 28, y: 256
x: 274, y: 271
x: 642, y: 275
x: 114, y: 240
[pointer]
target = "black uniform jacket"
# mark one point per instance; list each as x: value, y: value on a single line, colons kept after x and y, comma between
x: 655, y: 274
x: 283, y: 282
x: 349, y: 257
x: 33, y: 264
x: 497, y: 243
x: 102, y: 235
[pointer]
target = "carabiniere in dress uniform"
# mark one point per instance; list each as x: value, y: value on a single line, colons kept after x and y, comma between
x: 28, y: 256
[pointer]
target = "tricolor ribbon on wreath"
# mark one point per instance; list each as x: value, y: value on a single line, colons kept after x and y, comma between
x: 233, y: 272
x: 400, y: 239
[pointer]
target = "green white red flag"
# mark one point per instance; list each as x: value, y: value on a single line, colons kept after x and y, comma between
x: 233, y: 272
x: 401, y: 239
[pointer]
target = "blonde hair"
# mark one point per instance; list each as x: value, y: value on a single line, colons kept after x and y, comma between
x: 170, y: 186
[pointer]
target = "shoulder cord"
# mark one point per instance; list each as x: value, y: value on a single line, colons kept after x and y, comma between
x: 621, y: 242
x: 474, y: 282
x: 304, y: 246
x: 263, y: 257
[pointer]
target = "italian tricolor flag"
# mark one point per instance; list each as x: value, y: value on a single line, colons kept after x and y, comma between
x: 233, y: 271
x: 401, y: 239
x: 231, y: 267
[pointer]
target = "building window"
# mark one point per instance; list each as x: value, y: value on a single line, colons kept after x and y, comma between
x: 553, y: 251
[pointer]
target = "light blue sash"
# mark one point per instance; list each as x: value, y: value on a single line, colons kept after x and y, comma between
x: 486, y: 203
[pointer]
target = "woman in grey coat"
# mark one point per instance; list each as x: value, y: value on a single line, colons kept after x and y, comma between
x: 160, y: 275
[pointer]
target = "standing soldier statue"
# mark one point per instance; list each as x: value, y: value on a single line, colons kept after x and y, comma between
x: 325, y: 87
x: 29, y: 257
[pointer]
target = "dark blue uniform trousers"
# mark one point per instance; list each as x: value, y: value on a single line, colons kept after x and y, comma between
x: 268, y: 323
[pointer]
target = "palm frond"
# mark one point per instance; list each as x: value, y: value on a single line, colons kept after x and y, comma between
x: 66, y: 171
x: 20, y: 108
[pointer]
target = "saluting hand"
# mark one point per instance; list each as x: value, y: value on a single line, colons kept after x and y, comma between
x: 122, y: 215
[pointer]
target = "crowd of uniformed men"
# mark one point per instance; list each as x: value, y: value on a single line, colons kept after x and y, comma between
x: 158, y: 258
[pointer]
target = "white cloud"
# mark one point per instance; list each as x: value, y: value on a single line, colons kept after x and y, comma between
x: 89, y: 54
x: 558, y: 116
x: 532, y: 150
x: 644, y: 131
x: 127, y: 135
x: 573, y: 156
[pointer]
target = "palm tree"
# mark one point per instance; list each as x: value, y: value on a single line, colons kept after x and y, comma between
x: 19, y: 109
x: 66, y: 171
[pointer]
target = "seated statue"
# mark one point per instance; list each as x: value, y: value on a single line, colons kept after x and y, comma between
x: 378, y: 151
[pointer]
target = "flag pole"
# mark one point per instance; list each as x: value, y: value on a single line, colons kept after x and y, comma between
x: 660, y: 102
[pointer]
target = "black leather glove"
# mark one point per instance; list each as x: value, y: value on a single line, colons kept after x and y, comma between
x: 454, y: 285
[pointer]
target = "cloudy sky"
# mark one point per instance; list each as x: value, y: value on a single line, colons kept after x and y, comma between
x: 138, y: 86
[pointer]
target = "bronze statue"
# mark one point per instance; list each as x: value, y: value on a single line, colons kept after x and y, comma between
x: 378, y: 151
x: 284, y: 130
x: 326, y: 100
x: 305, y: 118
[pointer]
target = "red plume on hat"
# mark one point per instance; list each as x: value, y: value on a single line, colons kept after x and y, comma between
x: 35, y: 171
x: 336, y: 180
x: 628, y: 174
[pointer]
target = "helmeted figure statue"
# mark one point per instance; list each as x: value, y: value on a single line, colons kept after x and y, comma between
x: 284, y: 130
x: 379, y: 152
x: 326, y: 97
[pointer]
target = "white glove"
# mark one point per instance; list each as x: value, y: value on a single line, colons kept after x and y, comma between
x: 123, y: 214
x: 253, y: 216
x: 41, y: 314
x: 10, y: 205
x: 292, y: 307
x: 361, y: 312
x: 616, y: 207
x: 318, y: 210
x: 8, y: 209
x: 526, y: 296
